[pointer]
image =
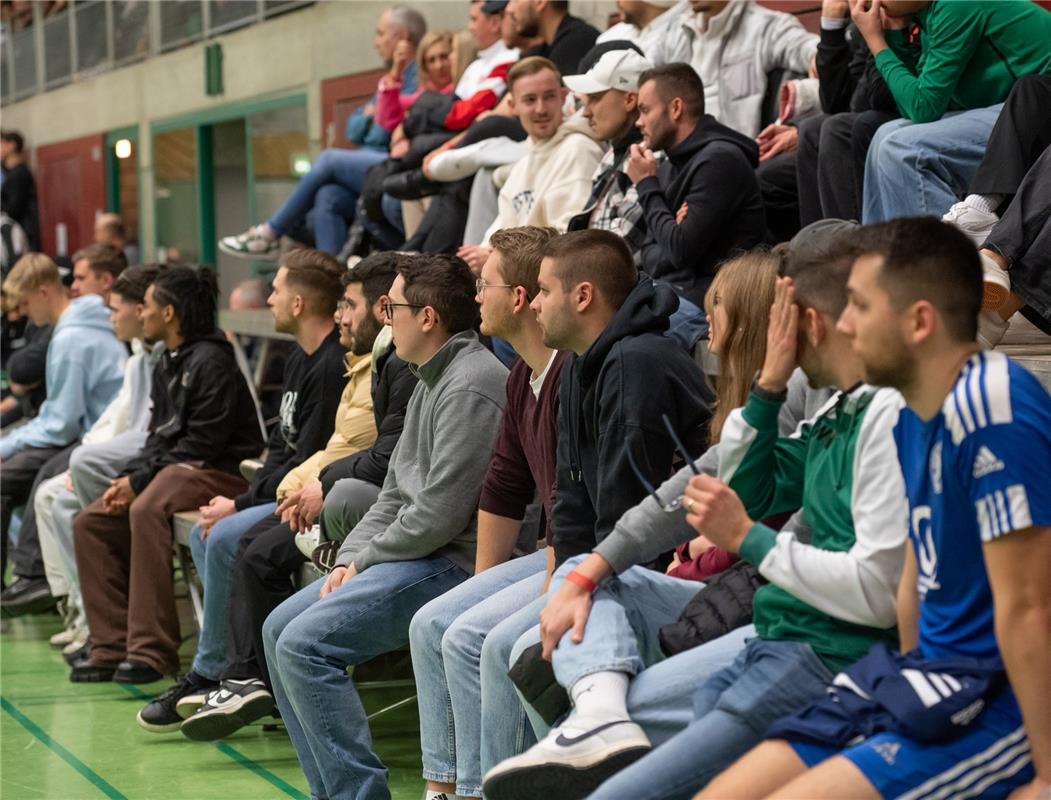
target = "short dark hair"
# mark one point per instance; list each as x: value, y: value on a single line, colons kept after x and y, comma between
x: 103, y: 258
x: 194, y: 294
x: 597, y: 257
x: 375, y: 273
x: 818, y: 260
x: 134, y: 281
x: 678, y: 80
x: 927, y: 259
x: 445, y: 283
x: 521, y: 251
x: 15, y: 138
x: 530, y: 65
x: 318, y: 277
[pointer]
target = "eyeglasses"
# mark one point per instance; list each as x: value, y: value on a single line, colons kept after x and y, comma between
x: 676, y: 504
x: 388, y: 307
x: 480, y: 286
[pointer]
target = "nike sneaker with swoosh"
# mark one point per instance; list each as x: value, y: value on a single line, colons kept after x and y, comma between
x: 571, y: 762
x: 229, y: 708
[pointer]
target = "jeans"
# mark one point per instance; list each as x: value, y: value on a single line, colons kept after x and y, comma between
x: 214, y: 558
x: 344, y: 171
x: 916, y: 170
x: 622, y: 633
x: 311, y: 641
x: 732, y: 711
x: 687, y: 324
x: 446, y: 637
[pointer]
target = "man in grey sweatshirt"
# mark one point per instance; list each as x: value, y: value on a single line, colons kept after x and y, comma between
x: 416, y: 542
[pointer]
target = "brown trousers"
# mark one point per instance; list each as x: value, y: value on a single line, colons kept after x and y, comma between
x: 125, y: 566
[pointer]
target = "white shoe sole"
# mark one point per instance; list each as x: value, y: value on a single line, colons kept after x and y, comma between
x: 273, y: 255
x: 566, y: 780
x: 218, y: 723
x: 171, y: 727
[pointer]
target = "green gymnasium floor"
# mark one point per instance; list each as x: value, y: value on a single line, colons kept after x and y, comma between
x: 65, y: 741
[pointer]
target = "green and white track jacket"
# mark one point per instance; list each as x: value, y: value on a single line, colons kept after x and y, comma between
x: 836, y: 593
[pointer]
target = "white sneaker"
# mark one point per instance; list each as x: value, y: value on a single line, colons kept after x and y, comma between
x: 996, y: 284
x: 991, y: 329
x: 229, y: 708
x: 80, y: 638
x: 62, y: 638
x: 570, y: 762
x: 976, y: 224
x: 309, y: 540
x: 252, y: 244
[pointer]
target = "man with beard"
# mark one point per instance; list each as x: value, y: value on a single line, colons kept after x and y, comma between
x: 305, y: 292
x: 368, y: 424
x: 969, y: 711
x: 566, y: 38
x: 702, y: 203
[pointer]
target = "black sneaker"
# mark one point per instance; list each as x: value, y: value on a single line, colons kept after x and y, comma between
x: 27, y: 596
x: 166, y: 712
x: 324, y: 556
x: 229, y: 708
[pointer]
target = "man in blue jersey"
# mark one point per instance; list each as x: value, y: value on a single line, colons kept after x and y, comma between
x: 941, y: 719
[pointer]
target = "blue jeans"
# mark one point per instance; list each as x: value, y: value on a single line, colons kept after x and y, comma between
x: 311, y: 641
x: 687, y: 324
x: 342, y: 170
x: 732, y: 711
x: 622, y: 632
x: 915, y: 170
x: 446, y: 636
x: 214, y: 558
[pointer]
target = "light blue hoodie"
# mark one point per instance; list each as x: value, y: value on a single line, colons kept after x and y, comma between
x: 85, y: 370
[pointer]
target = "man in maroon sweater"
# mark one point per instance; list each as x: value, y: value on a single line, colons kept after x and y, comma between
x: 447, y: 634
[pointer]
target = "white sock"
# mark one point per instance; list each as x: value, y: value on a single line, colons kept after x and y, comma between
x: 433, y: 795
x: 984, y: 202
x: 264, y: 230
x: 602, y: 695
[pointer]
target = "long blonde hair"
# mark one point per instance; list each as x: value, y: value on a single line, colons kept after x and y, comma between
x: 428, y: 41
x: 744, y: 288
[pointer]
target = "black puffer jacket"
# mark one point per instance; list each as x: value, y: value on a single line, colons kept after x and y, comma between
x: 202, y: 413
x: 392, y: 386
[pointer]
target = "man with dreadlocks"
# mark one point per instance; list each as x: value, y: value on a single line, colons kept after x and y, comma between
x: 203, y: 424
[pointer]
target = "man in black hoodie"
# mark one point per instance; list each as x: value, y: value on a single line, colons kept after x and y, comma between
x: 204, y: 424
x: 565, y: 38
x: 625, y: 376
x: 702, y: 204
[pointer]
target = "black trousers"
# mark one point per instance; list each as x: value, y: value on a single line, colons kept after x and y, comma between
x: 778, y: 186
x: 1023, y: 237
x: 830, y: 163
x: 1022, y: 132
x: 266, y: 565
x: 23, y: 472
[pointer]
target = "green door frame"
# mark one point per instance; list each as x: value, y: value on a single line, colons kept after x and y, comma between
x: 113, y: 167
x: 202, y: 122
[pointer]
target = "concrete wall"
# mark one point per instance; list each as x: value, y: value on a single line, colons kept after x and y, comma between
x: 287, y: 54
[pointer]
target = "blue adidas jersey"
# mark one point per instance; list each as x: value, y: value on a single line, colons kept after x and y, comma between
x: 980, y: 469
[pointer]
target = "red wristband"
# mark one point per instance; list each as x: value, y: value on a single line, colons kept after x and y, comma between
x: 582, y: 581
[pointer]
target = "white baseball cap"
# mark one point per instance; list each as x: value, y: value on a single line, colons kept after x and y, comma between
x: 617, y: 69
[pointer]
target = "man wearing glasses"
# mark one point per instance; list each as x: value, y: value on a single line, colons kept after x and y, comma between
x: 416, y: 542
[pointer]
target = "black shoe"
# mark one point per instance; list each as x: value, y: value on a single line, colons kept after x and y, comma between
x: 27, y: 596
x: 411, y: 184
x: 324, y: 556
x: 85, y: 672
x: 136, y: 672
x: 167, y: 711
x: 229, y: 708
x: 78, y: 655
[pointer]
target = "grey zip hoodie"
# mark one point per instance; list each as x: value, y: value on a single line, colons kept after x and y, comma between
x: 429, y: 501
